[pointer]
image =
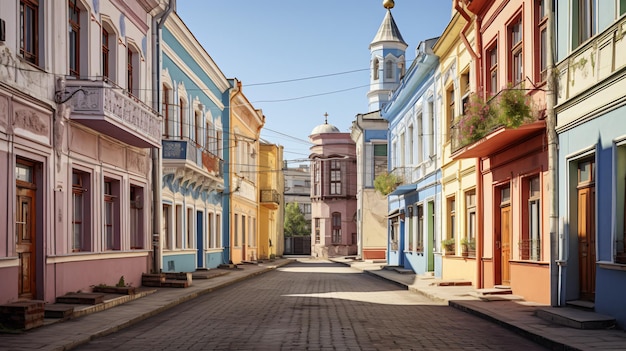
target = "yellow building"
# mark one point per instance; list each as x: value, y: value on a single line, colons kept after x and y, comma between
x: 454, y: 82
x: 271, y: 201
x: 245, y: 128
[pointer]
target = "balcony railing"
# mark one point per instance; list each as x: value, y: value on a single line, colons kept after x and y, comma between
x: 403, y: 174
x: 108, y: 110
x: 270, y: 196
x: 188, y: 150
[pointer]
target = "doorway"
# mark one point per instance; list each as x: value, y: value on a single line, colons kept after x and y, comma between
x: 26, y: 228
x: 586, y: 224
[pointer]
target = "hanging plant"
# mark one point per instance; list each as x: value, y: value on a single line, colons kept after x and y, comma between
x: 514, y: 108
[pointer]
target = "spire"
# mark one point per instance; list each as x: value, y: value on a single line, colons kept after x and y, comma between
x: 388, y: 30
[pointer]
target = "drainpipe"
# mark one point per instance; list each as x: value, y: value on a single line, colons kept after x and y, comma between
x: 157, y: 244
x: 556, y: 239
x: 470, y: 49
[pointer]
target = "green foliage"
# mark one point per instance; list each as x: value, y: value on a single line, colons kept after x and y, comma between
x: 448, y: 244
x: 385, y: 183
x: 514, y: 108
x: 121, y: 283
x: 295, y: 223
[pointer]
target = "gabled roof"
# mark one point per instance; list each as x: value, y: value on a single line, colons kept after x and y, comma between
x: 388, y: 31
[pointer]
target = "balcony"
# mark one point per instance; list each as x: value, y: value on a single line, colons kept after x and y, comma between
x: 270, y: 198
x: 108, y: 110
x: 487, y: 127
x: 187, y: 151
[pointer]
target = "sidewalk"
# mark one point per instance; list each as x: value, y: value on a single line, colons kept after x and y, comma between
x: 71, y: 333
x: 518, y: 316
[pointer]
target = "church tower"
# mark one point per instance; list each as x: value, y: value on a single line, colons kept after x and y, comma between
x: 387, y: 61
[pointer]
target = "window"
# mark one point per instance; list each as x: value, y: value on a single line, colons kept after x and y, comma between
x: 243, y: 230
x: 218, y: 230
x: 236, y: 230
x: 542, y: 27
x: 111, y: 215
x: 252, y: 231
x: 132, y: 71
x: 137, y: 231
x: 584, y: 21
x: 402, y: 151
x: 179, y: 226
x: 218, y: 144
x: 336, y: 228
x: 181, y: 118
x: 470, y: 205
x: 516, y: 63
x: 317, y: 186
x: 380, y: 161
x: 420, y: 229
x: 29, y: 30
x: 622, y: 7
x: 411, y: 144
x: 465, y: 90
x: 620, y: 205
x: 166, y: 111
x: 210, y: 143
x: 211, y: 227
x: 530, y: 246
x: 451, y: 218
x: 375, y: 68
x: 431, y: 128
x: 167, y: 225
x: 411, y: 229
x: 394, y: 232
x: 335, y: 177
x: 451, y: 110
x: 105, y: 53
x: 388, y: 69
x: 492, y: 57
x: 190, y: 228
x: 420, y: 138
x: 317, y: 231
x: 74, y: 38
x: 197, y: 130
x: 81, y: 211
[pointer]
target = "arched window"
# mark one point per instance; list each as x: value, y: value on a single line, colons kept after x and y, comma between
x: 375, y: 68
x: 336, y: 228
x: 109, y: 52
x: 389, y: 69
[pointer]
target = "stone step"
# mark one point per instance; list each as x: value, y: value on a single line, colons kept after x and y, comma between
x: 493, y: 291
x: 175, y: 284
x: 22, y: 315
x: 58, y: 311
x: 581, y: 304
x: 81, y: 298
x: 452, y: 283
x: 575, y: 318
x: 208, y: 274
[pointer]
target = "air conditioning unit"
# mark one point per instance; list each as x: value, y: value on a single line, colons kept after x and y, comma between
x: 2, y: 30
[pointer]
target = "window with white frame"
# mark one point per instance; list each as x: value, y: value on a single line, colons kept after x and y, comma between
x: 388, y: 69
x: 81, y: 211
x: 584, y: 21
x: 179, y: 227
x: 211, y: 231
x: 335, y: 177
x: 411, y: 144
x: 137, y: 228
x: 111, y: 195
x: 317, y: 230
x: 492, y: 66
x: 243, y: 230
x: 419, y: 242
x: 336, y: 228
x: 431, y: 128
x: 410, y: 232
x: 189, y: 221
x: 419, y: 140
x: 132, y: 73
x: 218, y: 230
x: 541, y: 18
x: 30, y: 31
x: 470, y: 207
x: 530, y: 245
x: 167, y: 226
x: 375, y: 68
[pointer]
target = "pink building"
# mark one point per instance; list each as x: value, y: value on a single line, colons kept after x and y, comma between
x: 333, y: 192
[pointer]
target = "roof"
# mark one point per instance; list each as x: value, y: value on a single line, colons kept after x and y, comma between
x: 325, y: 128
x: 388, y: 31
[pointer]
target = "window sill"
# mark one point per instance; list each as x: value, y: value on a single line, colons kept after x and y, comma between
x: 612, y: 266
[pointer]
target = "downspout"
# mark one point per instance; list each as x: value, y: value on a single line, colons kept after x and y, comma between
x: 157, y: 242
x: 479, y: 176
x: 557, y: 261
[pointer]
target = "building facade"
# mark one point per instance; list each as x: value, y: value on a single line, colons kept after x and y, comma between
x: 194, y: 96
x: 243, y: 142
x: 458, y: 177
x: 271, y: 209
x: 77, y: 132
x: 333, y: 193
x: 590, y: 111
x: 369, y: 133
x: 415, y: 161
x: 503, y: 127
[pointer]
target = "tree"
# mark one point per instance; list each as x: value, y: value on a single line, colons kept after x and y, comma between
x: 295, y: 223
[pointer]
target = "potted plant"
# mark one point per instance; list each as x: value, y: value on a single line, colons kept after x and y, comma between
x: 448, y: 245
x: 469, y: 247
x: 120, y: 288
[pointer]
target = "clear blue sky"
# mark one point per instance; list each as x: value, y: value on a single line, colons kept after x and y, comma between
x: 268, y: 41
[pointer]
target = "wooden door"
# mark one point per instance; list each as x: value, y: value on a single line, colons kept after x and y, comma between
x: 505, y: 242
x: 586, y: 242
x: 25, y: 245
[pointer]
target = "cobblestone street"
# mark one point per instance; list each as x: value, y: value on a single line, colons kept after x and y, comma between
x: 313, y: 305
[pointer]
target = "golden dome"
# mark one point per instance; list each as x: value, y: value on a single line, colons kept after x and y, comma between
x: 388, y: 4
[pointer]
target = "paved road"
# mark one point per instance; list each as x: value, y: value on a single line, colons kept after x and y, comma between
x: 313, y: 305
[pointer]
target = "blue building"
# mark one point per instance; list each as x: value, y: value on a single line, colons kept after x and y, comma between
x: 590, y: 114
x: 414, y: 205
x: 194, y: 95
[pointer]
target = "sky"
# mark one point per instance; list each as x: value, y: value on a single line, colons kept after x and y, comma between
x: 300, y: 59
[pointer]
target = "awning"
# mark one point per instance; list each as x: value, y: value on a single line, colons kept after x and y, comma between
x: 403, y: 189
